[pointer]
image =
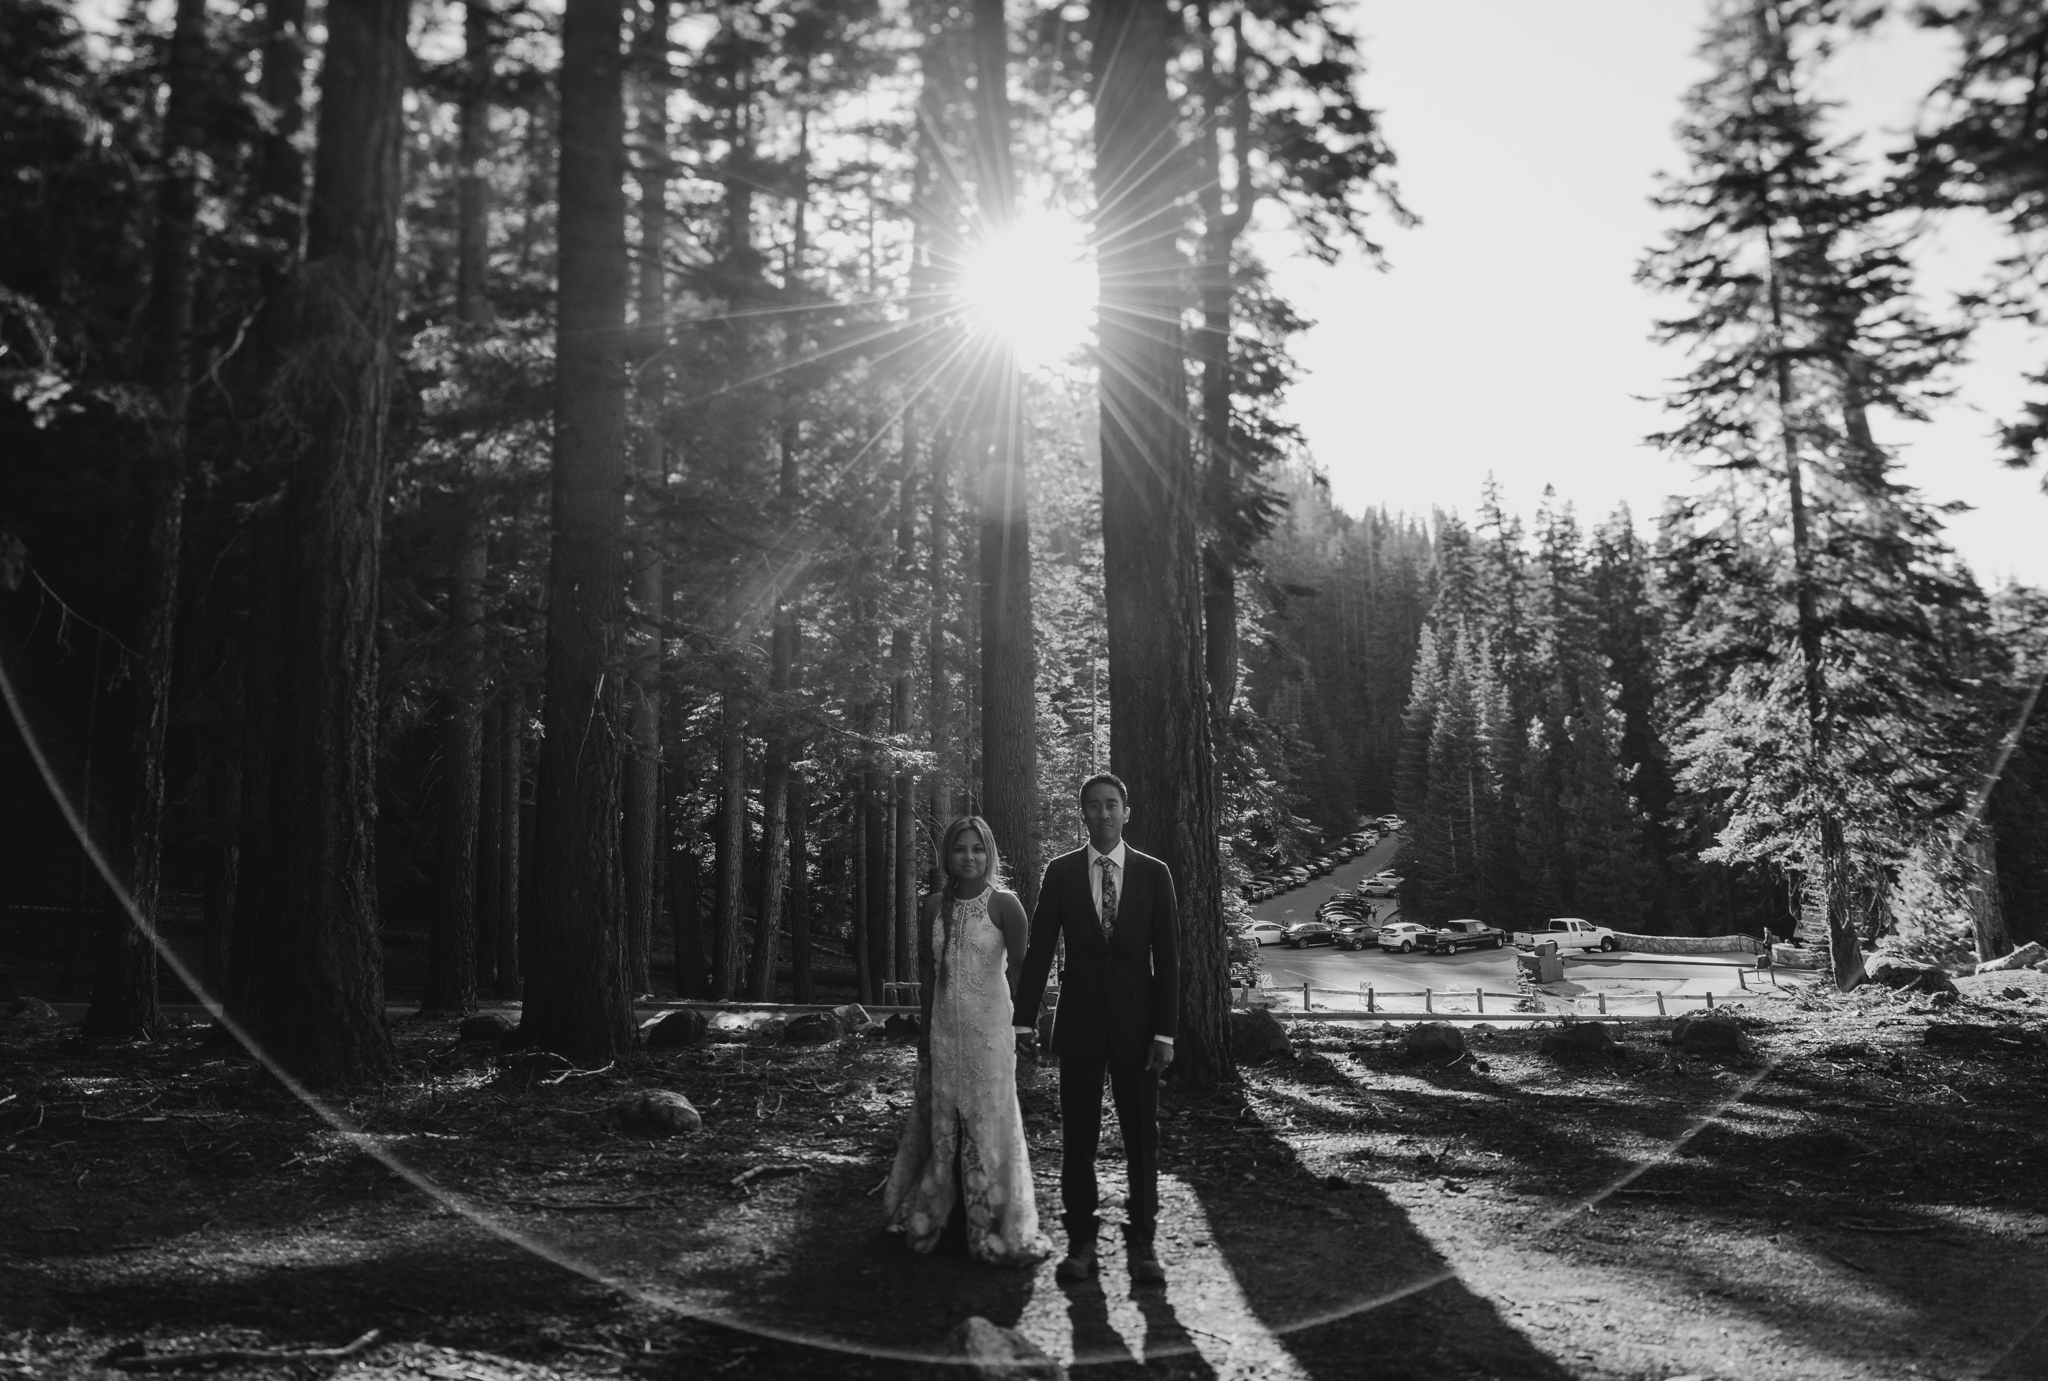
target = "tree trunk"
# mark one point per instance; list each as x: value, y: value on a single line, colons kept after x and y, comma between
x: 223, y: 873
x: 686, y: 903
x: 774, y: 812
x: 800, y: 889
x: 1160, y: 741
x: 938, y: 708
x: 856, y: 888
x: 512, y: 815
x: 124, y: 994
x: 577, y: 1002
x: 640, y: 823
x: 490, y: 846
x: 1987, y: 904
x: 451, y: 984
x: 729, y: 886
x: 1009, y: 704
x: 473, y: 188
x: 904, y: 828
x: 319, y: 988
x: 1224, y: 551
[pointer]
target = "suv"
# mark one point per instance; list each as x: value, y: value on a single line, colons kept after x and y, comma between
x: 1404, y: 937
x: 1362, y: 934
x: 1452, y: 936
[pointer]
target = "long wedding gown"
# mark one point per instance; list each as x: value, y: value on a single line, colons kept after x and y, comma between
x: 966, y: 1105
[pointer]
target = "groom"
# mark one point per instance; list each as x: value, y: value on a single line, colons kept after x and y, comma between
x: 1117, y: 1014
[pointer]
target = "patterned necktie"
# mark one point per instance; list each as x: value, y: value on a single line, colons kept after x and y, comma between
x: 1108, y: 896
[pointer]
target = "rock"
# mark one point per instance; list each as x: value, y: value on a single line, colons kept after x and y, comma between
x: 2025, y: 957
x: 657, y: 1112
x: 1710, y: 1036
x: 31, y: 1009
x: 493, y: 1027
x: 813, y: 1028
x: 852, y: 1016
x: 1902, y: 977
x: 1435, y: 1039
x: 988, y: 1352
x: 1257, y: 1035
x: 676, y: 1030
x: 1578, y: 1038
x: 903, y: 1026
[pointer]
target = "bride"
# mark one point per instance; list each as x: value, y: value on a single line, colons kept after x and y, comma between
x: 963, y: 1143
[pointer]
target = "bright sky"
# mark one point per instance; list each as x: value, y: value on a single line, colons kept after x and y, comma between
x: 1508, y: 336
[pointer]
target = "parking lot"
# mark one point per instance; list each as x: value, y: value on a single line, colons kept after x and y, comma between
x: 1629, y: 983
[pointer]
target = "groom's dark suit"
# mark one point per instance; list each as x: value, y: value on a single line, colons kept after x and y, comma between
x: 1116, y: 995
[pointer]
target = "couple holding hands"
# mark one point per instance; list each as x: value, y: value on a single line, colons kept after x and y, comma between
x: 984, y: 970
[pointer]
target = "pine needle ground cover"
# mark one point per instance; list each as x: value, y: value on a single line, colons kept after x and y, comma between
x: 1860, y: 1195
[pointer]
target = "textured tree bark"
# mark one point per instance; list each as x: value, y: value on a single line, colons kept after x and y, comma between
x: 640, y: 823
x: 729, y: 886
x: 1009, y: 703
x: 800, y: 888
x: 319, y: 990
x: 511, y: 840
x: 473, y: 151
x: 879, y: 872
x: 1226, y: 102
x: 490, y: 846
x: 1160, y: 741
x: 124, y: 990
x: 451, y: 983
x: 1987, y: 904
x: 223, y: 875
x: 857, y: 891
x: 774, y: 813
x: 903, y: 829
x: 576, y: 995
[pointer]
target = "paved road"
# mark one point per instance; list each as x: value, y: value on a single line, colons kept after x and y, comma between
x: 1684, y: 976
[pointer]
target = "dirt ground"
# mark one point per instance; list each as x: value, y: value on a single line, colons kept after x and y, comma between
x: 1864, y: 1197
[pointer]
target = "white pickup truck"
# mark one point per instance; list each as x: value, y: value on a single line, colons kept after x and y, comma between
x: 1568, y: 933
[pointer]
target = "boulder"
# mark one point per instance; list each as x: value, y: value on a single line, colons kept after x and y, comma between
x: 676, y: 1030
x: 984, y: 1351
x: 903, y: 1026
x: 852, y: 1016
x: 1578, y: 1038
x: 1903, y: 977
x: 813, y: 1028
x: 1435, y: 1040
x: 493, y: 1027
x: 1710, y: 1036
x: 657, y: 1112
x: 31, y: 1009
x: 2025, y: 957
x: 1257, y: 1035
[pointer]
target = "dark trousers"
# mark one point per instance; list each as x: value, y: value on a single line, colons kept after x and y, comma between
x: 1135, y: 1091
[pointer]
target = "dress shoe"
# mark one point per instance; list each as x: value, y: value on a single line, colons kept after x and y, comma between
x: 1078, y: 1264
x: 1145, y: 1269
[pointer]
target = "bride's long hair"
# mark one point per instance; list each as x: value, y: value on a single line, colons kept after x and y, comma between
x: 988, y: 842
x: 946, y: 899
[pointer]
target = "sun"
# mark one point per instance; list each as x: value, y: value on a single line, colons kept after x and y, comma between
x: 1033, y: 286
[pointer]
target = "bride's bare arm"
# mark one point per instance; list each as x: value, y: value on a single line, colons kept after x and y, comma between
x: 1016, y: 926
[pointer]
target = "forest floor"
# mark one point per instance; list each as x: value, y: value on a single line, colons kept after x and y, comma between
x: 1864, y: 1197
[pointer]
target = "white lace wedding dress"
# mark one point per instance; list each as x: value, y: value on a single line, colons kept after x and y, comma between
x: 964, y: 1138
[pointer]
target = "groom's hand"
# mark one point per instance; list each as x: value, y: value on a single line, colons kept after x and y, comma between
x: 1027, y: 1045
x: 1160, y: 1058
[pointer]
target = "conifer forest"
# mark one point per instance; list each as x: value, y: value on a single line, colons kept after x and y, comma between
x: 541, y: 513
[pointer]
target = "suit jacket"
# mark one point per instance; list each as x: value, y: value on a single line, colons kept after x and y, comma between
x: 1116, y: 994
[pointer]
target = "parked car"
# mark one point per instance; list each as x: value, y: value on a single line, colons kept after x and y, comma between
x: 1380, y: 887
x: 1404, y: 937
x: 1568, y: 932
x: 1265, y: 933
x: 1359, y: 934
x: 1302, y: 934
x: 1452, y: 936
x: 1297, y: 875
